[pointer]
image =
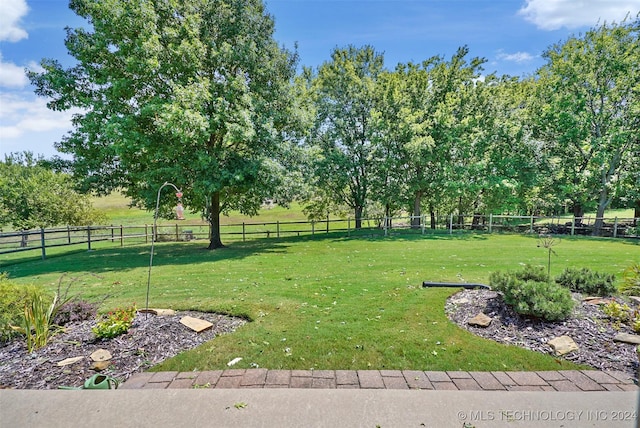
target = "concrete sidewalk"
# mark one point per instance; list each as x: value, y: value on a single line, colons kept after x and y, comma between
x: 370, y: 408
x: 561, y: 381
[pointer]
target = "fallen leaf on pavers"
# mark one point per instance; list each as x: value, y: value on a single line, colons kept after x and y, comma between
x: 101, y: 355
x: 240, y: 405
x: 69, y: 361
x: 196, y: 324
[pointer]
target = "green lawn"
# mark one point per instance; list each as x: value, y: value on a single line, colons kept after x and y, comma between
x: 327, y: 302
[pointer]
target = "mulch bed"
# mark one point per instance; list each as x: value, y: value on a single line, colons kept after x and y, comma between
x: 588, y: 326
x: 150, y: 340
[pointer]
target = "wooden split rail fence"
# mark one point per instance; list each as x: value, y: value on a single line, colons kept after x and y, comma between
x: 91, y: 236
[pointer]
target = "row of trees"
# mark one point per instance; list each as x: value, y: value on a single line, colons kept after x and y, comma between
x: 198, y: 93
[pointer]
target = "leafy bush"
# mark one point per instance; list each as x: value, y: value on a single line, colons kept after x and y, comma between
x: 528, y: 295
x: 13, y: 299
x: 74, y: 310
x: 631, y: 280
x: 587, y: 282
x: 115, y: 323
x: 617, y: 312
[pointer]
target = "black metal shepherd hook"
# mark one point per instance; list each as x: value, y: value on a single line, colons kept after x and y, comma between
x: 154, y: 233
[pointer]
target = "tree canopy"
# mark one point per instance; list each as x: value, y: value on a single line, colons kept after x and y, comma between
x: 194, y: 92
x: 199, y: 94
x: 32, y: 195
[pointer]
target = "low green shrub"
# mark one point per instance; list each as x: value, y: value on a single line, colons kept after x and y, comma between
x: 13, y: 299
x: 587, y: 281
x: 528, y: 295
x: 631, y: 280
x: 115, y: 323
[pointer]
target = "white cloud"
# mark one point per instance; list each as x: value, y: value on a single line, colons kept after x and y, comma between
x: 11, y: 75
x: 27, y: 124
x: 518, y: 57
x: 555, y: 14
x: 12, y: 12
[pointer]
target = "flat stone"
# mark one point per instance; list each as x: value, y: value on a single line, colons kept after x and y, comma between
x: 627, y: 338
x: 460, y: 301
x: 480, y: 320
x: 101, y: 355
x: 100, y: 365
x: 196, y: 324
x: 563, y: 345
x: 597, y: 300
x: 158, y: 312
x: 635, y: 299
x: 69, y: 361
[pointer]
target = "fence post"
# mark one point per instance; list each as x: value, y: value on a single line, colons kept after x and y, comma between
x: 177, y: 236
x: 531, y: 224
x: 490, y: 222
x: 121, y: 236
x: 88, y: 238
x: 327, y: 223
x: 278, y: 228
x: 615, y: 227
x: 313, y: 228
x: 450, y: 223
x: 573, y: 225
x: 348, y: 226
x: 386, y: 225
x: 422, y: 222
x: 112, y: 233
x: 69, y: 234
x: 42, y: 243
x: 146, y: 234
x: 243, y: 232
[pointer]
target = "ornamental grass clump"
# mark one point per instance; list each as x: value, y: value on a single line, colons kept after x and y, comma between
x: 529, y: 293
x: 115, y: 323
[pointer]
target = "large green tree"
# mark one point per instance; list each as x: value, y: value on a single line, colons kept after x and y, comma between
x: 194, y: 92
x: 589, y: 114
x: 344, y: 93
x: 32, y: 195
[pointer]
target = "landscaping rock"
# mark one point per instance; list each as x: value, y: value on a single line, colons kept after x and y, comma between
x: 480, y: 320
x: 158, y: 312
x: 100, y: 365
x: 563, y: 345
x: 597, y: 300
x: 627, y: 338
x: 69, y: 361
x: 196, y: 324
x: 100, y: 355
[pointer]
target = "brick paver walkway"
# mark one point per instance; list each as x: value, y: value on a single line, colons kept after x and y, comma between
x: 565, y: 380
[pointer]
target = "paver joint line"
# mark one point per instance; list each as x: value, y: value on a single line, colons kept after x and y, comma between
x: 559, y: 381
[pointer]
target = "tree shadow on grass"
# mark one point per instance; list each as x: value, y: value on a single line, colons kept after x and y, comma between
x: 123, y: 259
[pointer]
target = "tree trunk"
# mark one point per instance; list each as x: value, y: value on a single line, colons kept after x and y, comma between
x: 417, y: 213
x: 358, y: 214
x: 602, y: 205
x: 387, y: 216
x: 432, y: 214
x: 215, y: 240
x: 460, y: 214
x: 578, y: 213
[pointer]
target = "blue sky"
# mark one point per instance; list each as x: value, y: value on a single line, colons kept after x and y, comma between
x: 510, y: 34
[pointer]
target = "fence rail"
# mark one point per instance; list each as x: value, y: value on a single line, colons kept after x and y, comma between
x: 43, y: 239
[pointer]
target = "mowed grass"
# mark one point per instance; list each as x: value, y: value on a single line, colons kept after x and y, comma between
x: 327, y: 302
